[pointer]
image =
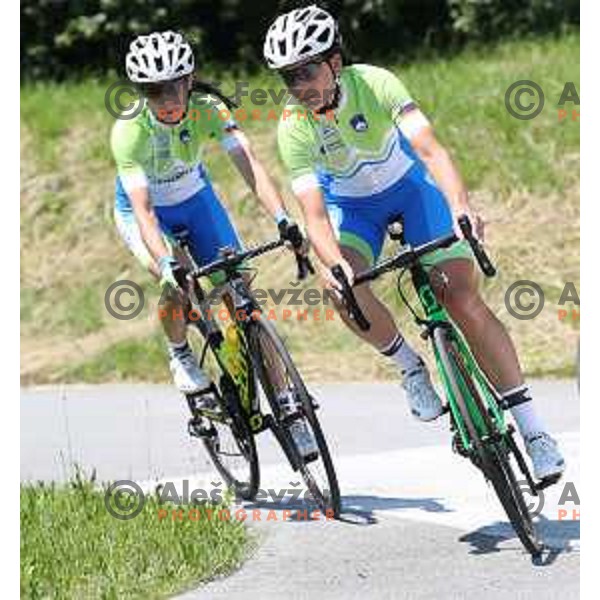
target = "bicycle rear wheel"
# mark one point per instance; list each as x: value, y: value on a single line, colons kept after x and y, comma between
x: 490, y: 451
x: 221, y: 424
x: 278, y: 375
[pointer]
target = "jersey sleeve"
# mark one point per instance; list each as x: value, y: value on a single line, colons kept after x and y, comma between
x: 297, y: 149
x: 396, y: 99
x: 129, y: 146
x: 221, y: 124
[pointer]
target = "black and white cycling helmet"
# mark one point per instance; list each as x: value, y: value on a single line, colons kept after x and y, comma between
x: 299, y: 35
x: 160, y: 56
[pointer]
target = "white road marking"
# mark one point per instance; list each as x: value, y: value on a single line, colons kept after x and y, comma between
x: 425, y: 484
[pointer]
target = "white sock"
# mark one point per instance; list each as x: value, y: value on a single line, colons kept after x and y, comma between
x: 176, y: 348
x: 402, y: 354
x: 524, y: 414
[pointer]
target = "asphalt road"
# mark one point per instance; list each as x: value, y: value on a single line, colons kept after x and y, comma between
x: 419, y: 522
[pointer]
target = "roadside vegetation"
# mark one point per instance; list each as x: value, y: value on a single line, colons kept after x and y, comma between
x: 523, y: 177
x: 72, y: 547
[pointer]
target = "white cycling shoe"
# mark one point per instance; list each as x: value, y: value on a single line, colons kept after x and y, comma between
x: 548, y: 462
x: 424, y: 401
x: 301, y: 434
x: 187, y: 375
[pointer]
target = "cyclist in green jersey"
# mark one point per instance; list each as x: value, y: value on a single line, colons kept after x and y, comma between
x: 162, y: 186
x: 360, y: 157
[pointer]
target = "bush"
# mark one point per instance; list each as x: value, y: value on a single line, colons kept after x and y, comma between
x: 67, y: 38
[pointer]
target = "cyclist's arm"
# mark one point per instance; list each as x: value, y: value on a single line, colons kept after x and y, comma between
x: 441, y: 167
x: 254, y: 173
x: 416, y: 128
x: 128, y: 145
x: 318, y: 226
x: 148, y: 223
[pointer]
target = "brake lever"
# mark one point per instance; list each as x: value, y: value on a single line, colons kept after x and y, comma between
x: 349, y: 299
x: 485, y: 264
x: 304, y: 267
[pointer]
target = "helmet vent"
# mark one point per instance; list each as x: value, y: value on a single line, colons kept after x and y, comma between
x: 323, y: 36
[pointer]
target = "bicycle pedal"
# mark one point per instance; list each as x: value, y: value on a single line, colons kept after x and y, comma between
x: 458, y: 447
x: 200, y: 429
x: 287, y: 420
x: 310, y: 457
x: 547, y: 481
x: 206, y: 399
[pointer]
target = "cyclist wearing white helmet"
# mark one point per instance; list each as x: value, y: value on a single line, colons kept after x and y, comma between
x: 162, y: 185
x: 364, y: 155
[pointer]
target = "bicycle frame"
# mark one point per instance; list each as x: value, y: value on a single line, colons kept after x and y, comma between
x: 436, y: 316
x: 239, y: 367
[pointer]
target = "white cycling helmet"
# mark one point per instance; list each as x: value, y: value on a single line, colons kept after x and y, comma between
x: 160, y: 56
x: 298, y: 35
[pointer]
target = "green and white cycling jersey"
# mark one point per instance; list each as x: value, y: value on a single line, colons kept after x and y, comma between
x: 357, y: 151
x: 167, y: 159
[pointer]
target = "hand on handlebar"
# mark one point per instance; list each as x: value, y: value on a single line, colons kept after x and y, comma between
x: 290, y: 232
x: 344, y: 278
x: 173, y: 274
x: 332, y: 282
x: 477, y: 223
x: 468, y: 233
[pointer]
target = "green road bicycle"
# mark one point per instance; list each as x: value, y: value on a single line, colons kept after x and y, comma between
x: 480, y: 431
x: 251, y: 369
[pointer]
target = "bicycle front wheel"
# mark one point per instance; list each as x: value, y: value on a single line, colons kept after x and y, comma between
x: 279, y: 377
x: 489, y: 451
x: 223, y: 427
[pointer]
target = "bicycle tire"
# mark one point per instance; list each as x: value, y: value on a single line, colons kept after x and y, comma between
x: 229, y: 403
x: 258, y: 333
x: 491, y: 456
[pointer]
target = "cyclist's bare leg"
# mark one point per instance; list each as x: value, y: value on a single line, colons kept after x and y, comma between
x: 170, y: 313
x: 495, y: 353
x: 488, y: 339
x: 383, y: 328
x: 385, y: 337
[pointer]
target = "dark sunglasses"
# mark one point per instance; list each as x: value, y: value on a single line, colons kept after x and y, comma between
x: 163, y: 89
x: 302, y: 74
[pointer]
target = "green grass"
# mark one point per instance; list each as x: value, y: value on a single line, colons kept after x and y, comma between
x: 71, y: 547
x: 523, y: 176
x: 133, y: 360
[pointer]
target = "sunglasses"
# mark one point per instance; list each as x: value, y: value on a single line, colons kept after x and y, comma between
x: 165, y: 89
x: 302, y: 74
